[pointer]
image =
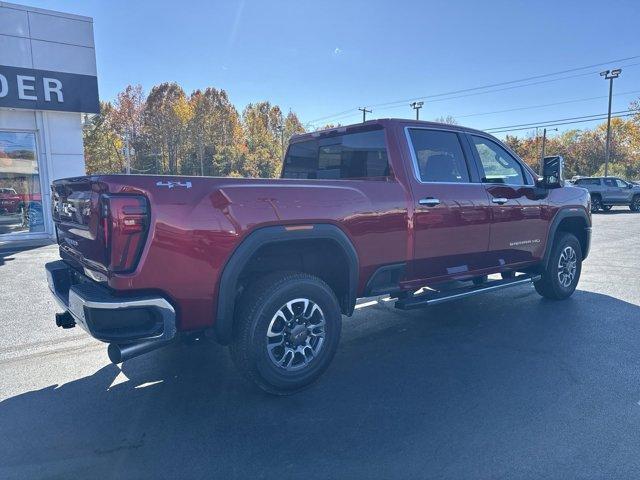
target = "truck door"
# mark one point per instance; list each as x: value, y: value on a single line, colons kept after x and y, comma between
x: 451, y: 220
x: 626, y: 192
x: 518, y: 229
x: 612, y: 193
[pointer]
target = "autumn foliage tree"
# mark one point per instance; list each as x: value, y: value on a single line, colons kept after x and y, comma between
x: 584, y: 150
x: 169, y: 132
x: 102, y: 144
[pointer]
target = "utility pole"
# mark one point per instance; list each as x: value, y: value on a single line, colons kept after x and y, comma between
x: 609, y: 75
x: 417, y: 106
x: 544, y: 146
x: 364, y: 113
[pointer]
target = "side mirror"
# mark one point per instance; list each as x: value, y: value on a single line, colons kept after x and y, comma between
x: 552, y: 172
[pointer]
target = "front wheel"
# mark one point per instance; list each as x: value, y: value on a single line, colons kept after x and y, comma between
x: 635, y: 204
x: 287, y: 330
x: 562, y: 273
x: 596, y: 203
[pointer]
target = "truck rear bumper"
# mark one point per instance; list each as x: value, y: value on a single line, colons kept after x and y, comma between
x: 105, y: 316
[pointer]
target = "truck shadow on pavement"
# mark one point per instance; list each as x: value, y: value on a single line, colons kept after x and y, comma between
x: 504, y: 385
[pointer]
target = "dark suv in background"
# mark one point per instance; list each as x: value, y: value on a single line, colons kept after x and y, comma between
x: 609, y: 191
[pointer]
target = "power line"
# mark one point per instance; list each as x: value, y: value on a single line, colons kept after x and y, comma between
x: 512, y: 87
x: 567, y: 123
x: 600, y: 117
x: 534, y: 124
x: 349, y: 113
x: 535, y: 77
x: 395, y: 103
x: 530, y: 107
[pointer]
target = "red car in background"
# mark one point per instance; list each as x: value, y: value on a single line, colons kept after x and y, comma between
x: 10, y: 201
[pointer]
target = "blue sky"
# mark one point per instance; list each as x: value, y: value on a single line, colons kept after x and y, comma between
x: 325, y: 57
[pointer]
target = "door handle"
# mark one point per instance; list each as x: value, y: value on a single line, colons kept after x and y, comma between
x: 429, y: 201
x: 500, y: 200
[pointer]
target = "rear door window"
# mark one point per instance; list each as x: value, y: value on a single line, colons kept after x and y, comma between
x: 361, y: 155
x: 438, y: 156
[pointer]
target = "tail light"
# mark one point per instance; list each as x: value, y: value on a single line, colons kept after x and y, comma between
x: 125, y: 222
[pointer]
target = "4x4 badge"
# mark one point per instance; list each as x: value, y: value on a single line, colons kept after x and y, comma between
x: 171, y: 184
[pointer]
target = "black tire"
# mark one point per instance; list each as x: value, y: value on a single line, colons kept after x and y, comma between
x: 550, y: 285
x: 607, y: 208
x: 257, y: 311
x: 635, y: 204
x: 596, y: 203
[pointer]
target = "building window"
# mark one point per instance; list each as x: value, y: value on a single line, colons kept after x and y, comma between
x: 20, y: 196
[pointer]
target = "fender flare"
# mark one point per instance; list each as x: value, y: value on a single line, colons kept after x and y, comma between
x: 562, y: 214
x: 227, y: 285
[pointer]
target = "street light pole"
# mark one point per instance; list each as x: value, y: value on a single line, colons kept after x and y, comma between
x: 364, y: 113
x: 417, y: 106
x: 609, y: 75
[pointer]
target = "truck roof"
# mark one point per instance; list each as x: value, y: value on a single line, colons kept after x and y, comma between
x: 383, y: 122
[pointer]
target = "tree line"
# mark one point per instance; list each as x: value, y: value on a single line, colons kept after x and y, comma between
x: 170, y: 132
x: 584, y: 150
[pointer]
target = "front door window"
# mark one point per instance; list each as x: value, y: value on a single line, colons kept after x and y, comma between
x: 20, y: 196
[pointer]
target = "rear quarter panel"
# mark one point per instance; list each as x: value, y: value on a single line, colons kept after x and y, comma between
x: 195, y: 230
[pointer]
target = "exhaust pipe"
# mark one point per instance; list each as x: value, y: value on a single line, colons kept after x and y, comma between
x: 120, y: 353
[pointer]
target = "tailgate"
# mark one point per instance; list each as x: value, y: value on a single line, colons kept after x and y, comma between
x: 76, y: 214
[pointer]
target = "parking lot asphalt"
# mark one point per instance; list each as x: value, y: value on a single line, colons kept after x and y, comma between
x: 504, y: 385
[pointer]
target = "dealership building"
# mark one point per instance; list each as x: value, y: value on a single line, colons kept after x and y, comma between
x: 47, y: 83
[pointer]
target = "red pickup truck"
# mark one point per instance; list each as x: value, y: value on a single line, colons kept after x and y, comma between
x: 421, y: 211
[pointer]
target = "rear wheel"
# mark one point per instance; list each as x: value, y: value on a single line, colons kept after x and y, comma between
x: 606, y: 208
x: 286, y: 331
x: 562, y: 273
x: 596, y: 203
x: 635, y: 204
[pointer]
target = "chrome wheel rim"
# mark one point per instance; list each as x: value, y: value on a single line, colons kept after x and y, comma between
x: 296, y: 334
x: 567, y: 266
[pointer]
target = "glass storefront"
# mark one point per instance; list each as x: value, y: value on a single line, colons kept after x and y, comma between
x: 21, y: 208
